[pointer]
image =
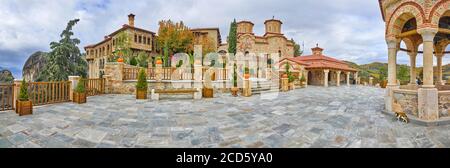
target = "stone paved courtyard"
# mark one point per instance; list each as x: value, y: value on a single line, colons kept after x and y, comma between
x: 311, y: 117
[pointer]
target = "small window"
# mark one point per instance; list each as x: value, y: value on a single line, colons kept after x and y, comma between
x: 144, y: 40
x: 135, y: 38
x: 148, y: 41
x: 140, y: 39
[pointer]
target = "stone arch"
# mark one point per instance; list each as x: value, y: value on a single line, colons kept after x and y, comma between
x: 439, y: 10
x: 441, y: 46
x: 411, y: 44
x: 402, y: 14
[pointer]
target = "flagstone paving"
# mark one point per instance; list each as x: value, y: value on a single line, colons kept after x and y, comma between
x: 312, y: 117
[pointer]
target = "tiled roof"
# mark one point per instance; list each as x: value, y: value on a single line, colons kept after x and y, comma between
x: 322, y: 62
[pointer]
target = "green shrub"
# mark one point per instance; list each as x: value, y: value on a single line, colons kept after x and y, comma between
x: 302, y: 79
x: 23, y: 95
x: 80, y: 86
x: 179, y: 63
x: 246, y: 70
x: 235, y: 75
x: 142, y: 80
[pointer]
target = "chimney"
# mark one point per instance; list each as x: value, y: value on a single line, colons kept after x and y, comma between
x: 131, y: 20
x: 317, y: 50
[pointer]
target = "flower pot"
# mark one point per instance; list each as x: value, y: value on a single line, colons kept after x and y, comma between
x: 234, y: 91
x: 120, y: 60
x: 284, y: 76
x: 159, y: 62
x: 247, y: 76
x: 383, y: 84
x: 141, y: 94
x: 208, y: 93
x: 79, y: 98
x: 24, y: 107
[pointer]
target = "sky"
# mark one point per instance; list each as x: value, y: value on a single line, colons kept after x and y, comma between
x: 350, y: 30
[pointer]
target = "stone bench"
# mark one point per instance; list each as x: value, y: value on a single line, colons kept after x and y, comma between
x: 196, y: 93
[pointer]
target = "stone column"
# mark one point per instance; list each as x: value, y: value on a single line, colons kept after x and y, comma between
x: 428, y: 35
x: 356, y: 78
x: 370, y: 81
x: 439, y: 69
x: 338, y: 82
x: 392, y: 62
x: 428, y: 107
x: 306, y: 78
x: 247, y: 89
x: 348, y: 78
x: 325, y: 77
x: 17, y: 83
x: 268, y: 73
x: 284, y: 84
x: 74, y: 82
x: 412, y: 73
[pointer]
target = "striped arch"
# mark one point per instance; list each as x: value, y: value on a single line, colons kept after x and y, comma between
x: 442, y: 8
x: 441, y: 46
x: 401, y: 15
x: 411, y: 45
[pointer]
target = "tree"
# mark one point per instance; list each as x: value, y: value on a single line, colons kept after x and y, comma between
x: 382, y: 73
x: 142, y: 80
x: 23, y: 95
x: 232, y: 38
x: 403, y: 74
x: 64, y: 58
x: 123, y: 46
x: 142, y: 59
x: 207, y: 44
x: 297, y: 49
x: 176, y: 37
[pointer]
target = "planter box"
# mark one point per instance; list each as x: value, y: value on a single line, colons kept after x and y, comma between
x: 79, y: 98
x: 141, y: 94
x: 208, y: 93
x: 234, y: 91
x: 24, y: 108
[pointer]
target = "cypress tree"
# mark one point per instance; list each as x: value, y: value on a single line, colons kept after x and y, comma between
x: 232, y: 38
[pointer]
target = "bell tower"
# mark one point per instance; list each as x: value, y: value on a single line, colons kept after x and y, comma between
x: 273, y: 26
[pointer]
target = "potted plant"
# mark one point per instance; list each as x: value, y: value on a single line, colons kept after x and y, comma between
x: 247, y: 73
x: 234, y: 89
x: 23, y: 105
x: 141, y: 85
x: 290, y: 77
x: 158, y: 60
x: 79, y: 93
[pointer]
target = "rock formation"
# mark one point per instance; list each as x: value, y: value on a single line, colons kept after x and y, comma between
x: 34, y: 65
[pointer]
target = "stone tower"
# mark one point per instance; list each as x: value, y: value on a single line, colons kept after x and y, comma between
x: 273, y: 26
x: 245, y: 27
x: 317, y: 50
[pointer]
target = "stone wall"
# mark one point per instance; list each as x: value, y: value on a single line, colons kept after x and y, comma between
x: 408, y: 100
x: 444, y: 104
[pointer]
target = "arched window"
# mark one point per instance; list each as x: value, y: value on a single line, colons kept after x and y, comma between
x: 279, y: 53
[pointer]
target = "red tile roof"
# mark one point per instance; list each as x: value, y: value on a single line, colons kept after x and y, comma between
x: 322, y: 62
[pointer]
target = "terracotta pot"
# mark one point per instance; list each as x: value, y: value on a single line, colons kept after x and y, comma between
x: 247, y: 76
x: 234, y: 91
x: 284, y: 76
x: 159, y: 62
x: 208, y: 93
x: 120, y: 60
x: 79, y: 98
x: 141, y: 94
x: 24, y: 107
x: 383, y: 84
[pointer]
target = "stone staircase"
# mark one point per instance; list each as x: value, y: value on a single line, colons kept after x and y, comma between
x: 259, y: 87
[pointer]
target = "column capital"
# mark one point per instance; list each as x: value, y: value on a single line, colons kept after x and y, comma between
x: 428, y: 34
x: 348, y: 73
x: 338, y: 72
x: 412, y: 54
x: 326, y: 70
x: 392, y: 42
x: 439, y: 55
